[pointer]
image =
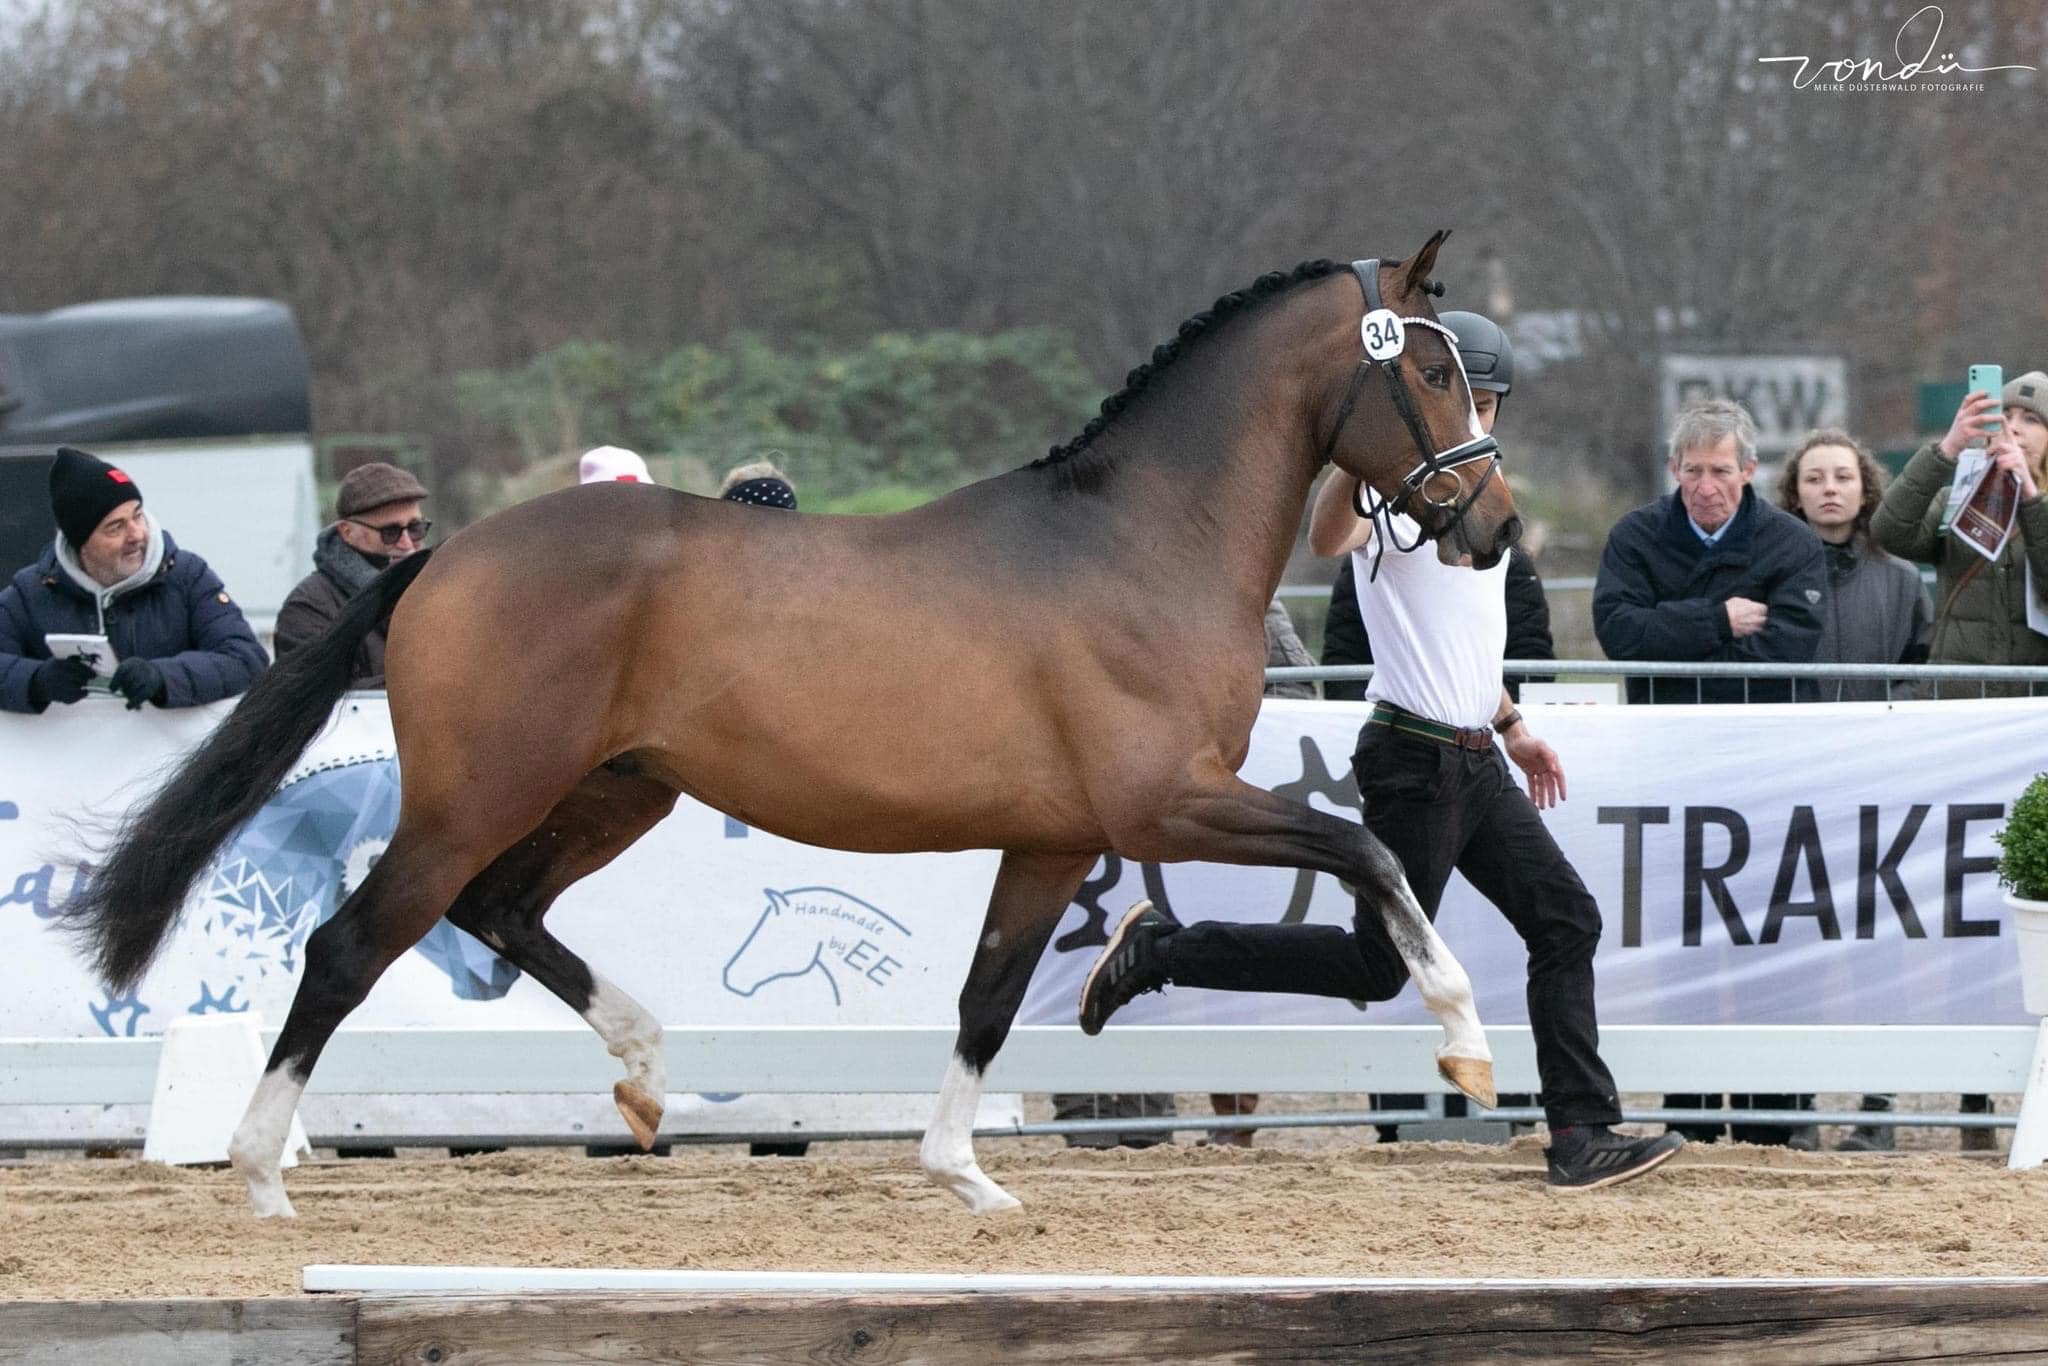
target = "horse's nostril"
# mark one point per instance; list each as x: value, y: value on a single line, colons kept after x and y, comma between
x: 1510, y: 532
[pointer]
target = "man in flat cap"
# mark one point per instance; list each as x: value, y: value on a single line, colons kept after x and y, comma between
x: 175, y: 637
x: 377, y: 523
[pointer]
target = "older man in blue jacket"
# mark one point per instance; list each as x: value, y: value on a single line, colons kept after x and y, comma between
x: 179, y: 640
x: 1711, y: 572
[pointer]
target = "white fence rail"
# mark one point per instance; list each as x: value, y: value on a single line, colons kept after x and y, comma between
x: 1315, y: 1059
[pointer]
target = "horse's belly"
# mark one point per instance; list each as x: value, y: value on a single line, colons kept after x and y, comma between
x: 870, y: 797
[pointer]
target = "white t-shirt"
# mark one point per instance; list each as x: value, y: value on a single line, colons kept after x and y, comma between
x: 1439, y: 631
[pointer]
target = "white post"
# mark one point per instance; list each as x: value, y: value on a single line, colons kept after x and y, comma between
x: 2030, y: 1139
x: 208, y: 1069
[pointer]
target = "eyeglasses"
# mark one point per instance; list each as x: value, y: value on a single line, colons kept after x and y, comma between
x: 416, y: 528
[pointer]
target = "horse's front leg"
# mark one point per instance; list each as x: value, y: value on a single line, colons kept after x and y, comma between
x: 1031, y: 893
x: 1223, y: 819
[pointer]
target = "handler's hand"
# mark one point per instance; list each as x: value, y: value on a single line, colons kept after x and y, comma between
x: 1540, y: 762
x: 1746, y: 616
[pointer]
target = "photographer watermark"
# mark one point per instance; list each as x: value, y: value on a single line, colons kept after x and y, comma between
x: 1930, y: 71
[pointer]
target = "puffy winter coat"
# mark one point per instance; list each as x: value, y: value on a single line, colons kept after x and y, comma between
x: 1662, y: 594
x: 1984, y: 621
x: 339, y: 573
x: 180, y: 619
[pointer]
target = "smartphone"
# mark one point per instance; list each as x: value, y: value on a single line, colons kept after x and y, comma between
x: 1989, y: 379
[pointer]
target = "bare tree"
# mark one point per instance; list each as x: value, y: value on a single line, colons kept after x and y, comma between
x: 444, y: 185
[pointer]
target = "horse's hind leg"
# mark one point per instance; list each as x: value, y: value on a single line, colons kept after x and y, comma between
x: 613, y: 806
x: 398, y: 903
x: 1227, y: 820
x: 1030, y: 894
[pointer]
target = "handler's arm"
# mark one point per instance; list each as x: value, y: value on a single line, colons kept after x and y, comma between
x: 1334, y: 526
x: 1505, y: 716
x: 1536, y: 759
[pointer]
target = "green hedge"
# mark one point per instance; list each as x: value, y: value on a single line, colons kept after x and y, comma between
x: 883, y: 422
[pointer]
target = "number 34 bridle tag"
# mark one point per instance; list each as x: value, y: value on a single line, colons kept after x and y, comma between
x: 1383, y: 334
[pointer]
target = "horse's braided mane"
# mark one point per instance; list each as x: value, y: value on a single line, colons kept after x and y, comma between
x: 1193, y: 330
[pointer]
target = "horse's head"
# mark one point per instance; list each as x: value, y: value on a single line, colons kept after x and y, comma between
x: 1399, y: 416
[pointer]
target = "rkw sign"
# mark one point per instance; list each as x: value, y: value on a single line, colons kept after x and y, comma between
x: 1787, y: 395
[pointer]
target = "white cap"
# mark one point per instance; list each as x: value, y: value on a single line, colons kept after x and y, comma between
x: 607, y: 464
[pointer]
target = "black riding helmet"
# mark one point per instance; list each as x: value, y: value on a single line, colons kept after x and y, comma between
x: 1489, y: 359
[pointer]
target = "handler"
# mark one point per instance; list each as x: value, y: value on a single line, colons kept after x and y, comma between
x: 1437, y: 792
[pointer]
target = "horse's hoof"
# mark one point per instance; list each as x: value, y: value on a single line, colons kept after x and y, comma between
x: 270, y: 1202
x: 1001, y: 1201
x: 974, y: 1190
x: 1472, y: 1076
x: 642, y: 1112
x: 983, y: 1197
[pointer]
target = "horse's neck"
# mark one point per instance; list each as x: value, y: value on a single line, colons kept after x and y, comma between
x: 1221, y: 481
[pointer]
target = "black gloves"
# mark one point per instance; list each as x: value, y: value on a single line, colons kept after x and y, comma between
x: 139, y: 681
x: 58, y: 680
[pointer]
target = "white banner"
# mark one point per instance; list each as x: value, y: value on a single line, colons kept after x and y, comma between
x: 1767, y: 864
x: 704, y: 921
x: 1825, y: 864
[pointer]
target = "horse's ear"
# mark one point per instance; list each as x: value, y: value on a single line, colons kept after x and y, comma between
x: 1423, y: 262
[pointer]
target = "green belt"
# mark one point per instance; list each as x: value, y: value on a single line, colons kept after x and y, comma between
x: 1408, y: 723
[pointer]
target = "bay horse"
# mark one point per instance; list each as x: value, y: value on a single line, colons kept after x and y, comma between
x: 1057, y: 662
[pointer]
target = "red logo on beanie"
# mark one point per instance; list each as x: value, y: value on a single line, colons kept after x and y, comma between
x: 118, y: 476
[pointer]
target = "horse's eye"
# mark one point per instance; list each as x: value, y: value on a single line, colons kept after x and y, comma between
x: 1437, y: 376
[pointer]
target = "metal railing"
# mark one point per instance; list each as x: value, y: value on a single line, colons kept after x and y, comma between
x: 483, y: 1135
x: 1383, y: 1061
x: 1561, y: 583
x: 1902, y: 682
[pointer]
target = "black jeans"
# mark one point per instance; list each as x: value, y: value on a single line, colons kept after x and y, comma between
x: 1438, y: 807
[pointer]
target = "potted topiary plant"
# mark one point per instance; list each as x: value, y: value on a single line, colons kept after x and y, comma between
x: 2023, y: 870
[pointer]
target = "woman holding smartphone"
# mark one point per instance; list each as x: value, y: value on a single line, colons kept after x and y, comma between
x: 1980, y: 614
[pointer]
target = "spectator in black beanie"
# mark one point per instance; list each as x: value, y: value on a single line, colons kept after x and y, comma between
x: 176, y: 638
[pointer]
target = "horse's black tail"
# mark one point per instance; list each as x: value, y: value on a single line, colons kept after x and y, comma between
x: 125, y: 903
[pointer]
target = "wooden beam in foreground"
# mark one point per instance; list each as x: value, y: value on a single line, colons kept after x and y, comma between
x: 1708, y: 1321
x: 1845, y: 1321
x: 282, y: 1332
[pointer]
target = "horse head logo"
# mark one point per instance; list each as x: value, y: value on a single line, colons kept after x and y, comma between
x: 821, y: 930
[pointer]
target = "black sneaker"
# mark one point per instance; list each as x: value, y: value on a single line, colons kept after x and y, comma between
x: 1588, y: 1156
x: 1128, y: 966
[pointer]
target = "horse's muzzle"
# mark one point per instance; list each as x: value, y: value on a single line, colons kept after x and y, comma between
x: 1459, y: 543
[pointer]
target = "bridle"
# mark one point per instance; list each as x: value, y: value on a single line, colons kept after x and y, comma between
x: 1382, y: 332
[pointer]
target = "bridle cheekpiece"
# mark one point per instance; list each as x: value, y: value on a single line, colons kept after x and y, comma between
x: 1383, y: 334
